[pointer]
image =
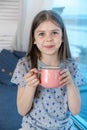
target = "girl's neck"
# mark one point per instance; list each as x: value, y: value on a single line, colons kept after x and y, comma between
x: 51, y: 61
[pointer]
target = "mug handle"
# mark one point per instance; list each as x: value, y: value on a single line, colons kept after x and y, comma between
x: 39, y: 74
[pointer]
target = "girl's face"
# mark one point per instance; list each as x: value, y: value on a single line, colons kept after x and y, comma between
x: 48, y: 38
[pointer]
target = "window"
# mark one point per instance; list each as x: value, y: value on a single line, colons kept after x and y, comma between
x: 9, y: 11
x: 74, y: 14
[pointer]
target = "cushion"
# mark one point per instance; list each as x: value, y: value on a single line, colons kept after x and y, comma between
x: 8, y: 61
x: 19, y: 54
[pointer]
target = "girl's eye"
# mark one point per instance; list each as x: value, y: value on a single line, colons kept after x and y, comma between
x: 55, y: 33
x: 41, y: 34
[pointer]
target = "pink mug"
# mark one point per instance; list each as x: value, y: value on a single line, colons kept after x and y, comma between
x: 49, y: 77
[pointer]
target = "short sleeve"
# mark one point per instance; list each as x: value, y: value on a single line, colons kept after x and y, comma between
x: 75, y: 73
x: 21, y: 69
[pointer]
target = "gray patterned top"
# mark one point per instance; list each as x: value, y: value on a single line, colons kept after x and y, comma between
x: 50, y: 110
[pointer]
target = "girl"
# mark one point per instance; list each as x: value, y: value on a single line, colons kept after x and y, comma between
x: 47, y: 108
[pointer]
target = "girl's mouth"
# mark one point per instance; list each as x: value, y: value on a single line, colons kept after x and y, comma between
x: 49, y: 46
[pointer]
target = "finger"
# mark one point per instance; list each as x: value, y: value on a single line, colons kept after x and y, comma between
x: 65, y: 81
x: 27, y: 75
x: 31, y: 72
x: 29, y: 79
x: 63, y: 71
x: 34, y: 71
x: 63, y: 76
x: 34, y: 82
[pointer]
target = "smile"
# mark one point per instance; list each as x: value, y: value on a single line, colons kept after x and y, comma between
x: 49, y: 46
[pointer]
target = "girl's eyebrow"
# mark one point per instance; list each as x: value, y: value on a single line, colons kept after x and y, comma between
x: 55, y: 30
x: 38, y: 31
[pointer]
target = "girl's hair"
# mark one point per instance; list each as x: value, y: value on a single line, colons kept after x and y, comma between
x: 33, y: 52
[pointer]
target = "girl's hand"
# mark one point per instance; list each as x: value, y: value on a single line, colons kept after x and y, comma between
x: 65, y: 78
x: 31, y: 78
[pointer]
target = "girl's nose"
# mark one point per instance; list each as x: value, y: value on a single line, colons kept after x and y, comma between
x: 49, y: 37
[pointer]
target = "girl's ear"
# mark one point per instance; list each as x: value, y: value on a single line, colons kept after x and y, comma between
x: 62, y: 40
x: 34, y: 42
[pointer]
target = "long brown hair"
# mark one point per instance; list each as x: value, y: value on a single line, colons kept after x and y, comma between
x: 33, y: 52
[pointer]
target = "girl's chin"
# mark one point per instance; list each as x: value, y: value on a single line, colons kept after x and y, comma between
x: 50, y: 53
